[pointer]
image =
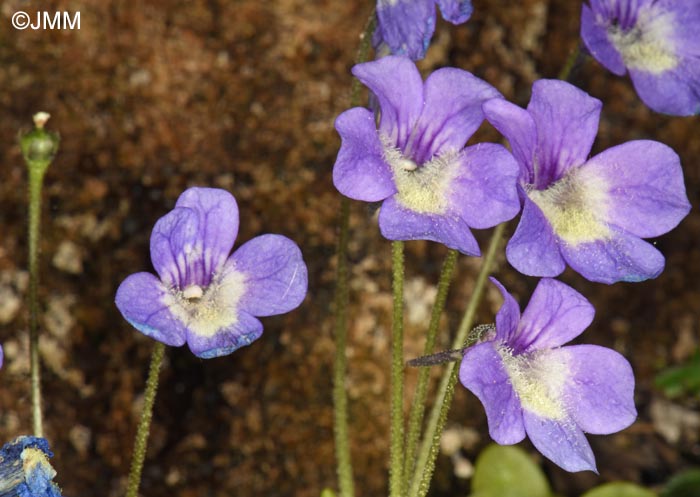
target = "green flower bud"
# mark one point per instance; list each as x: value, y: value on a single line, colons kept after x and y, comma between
x: 39, y: 146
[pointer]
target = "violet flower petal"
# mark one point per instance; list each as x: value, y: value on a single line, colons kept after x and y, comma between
x: 517, y: 125
x: 360, y: 171
x: 622, y: 257
x: 646, y: 194
x: 217, y: 213
x: 399, y: 223
x: 675, y: 92
x: 173, y: 236
x: 595, y: 37
x: 399, y: 88
x: 600, y: 392
x: 567, y: 122
x: 560, y: 441
x: 456, y: 11
x: 482, y: 372
x: 484, y: 192
x: 405, y: 26
x: 508, y: 315
x: 555, y: 315
x: 143, y: 301
x: 275, y: 275
x: 451, y: 113
x: 244, y: 331
x: 534, y: 249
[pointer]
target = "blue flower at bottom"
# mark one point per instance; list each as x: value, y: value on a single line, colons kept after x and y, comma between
x: 405, y: 27
x: 657, y: 41
x: 530, y: 385
x: 205, y: 297
x: 25, y: 470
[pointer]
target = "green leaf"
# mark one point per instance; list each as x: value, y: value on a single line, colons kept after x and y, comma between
x: 619, y: 489
x: 681, y: 379
x: 686, y: 484
x: 507, y: 471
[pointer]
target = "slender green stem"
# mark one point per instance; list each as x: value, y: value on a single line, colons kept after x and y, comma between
x: 340, y: 399
x: 362, y: 55
x: 427, y: 454
x: 39, y: 148
x: 397, y: 429
x: 141, y: 440
x: 572, y: 61
x: 418, y: 406
x: 36, y: 182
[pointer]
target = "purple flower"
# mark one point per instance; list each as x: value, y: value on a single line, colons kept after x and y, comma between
x: 432, y: 187
x: 531, y: 385
x: 203, y: 296
x: 656, y: 41
x: 405, y: 27
x: 588, y: 213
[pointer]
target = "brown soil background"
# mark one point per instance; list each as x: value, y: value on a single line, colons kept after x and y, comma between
x: 151, y: 97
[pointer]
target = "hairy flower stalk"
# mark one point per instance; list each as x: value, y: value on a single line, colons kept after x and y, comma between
x: 346, y: 485
x: 141, y: 440
x: 39, y: 148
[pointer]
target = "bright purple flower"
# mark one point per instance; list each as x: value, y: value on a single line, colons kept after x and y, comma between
x: 405, y: 27
x: 432, y: 187
x: 588, y: 213
x: 204, y: 296
x: 531, y: 385
x: 656, y: 41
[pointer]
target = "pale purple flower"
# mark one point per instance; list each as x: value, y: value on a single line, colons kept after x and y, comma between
x: 588, y: 213
x: 432, y: 187
x: 204, y: 297
x: 657, y: 41
x: 530, y: 385
x: 405, y: 27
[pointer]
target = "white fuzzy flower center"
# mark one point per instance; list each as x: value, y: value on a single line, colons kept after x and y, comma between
x: 422, y: 188
x: 206, y: 311
x: 539, y: 379
x: 575, y: 206
x: 648, y: 46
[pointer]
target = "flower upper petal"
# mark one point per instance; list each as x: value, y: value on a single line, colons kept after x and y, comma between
x: 143, y: 301
x: 244, y: 331
x: 217, y: 214
x: 174, y: 244
x: 517, y: 125
x: 594, y: 33
x: 600, y: 392
x: 482, y: 372
x: 399, y: 223
x: 508, y: 315
x: 555, y: 315
x: 621, y: 257
x: 646, y: 194
x: 560, y: 441
x: 450, y: 115
x: 405, y: 26
x: 399, y: 88
x: 567, y: 122
x: 275, y: 275
x: 360, y: 171
x: 456, y: 11
x: 534, y: 249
